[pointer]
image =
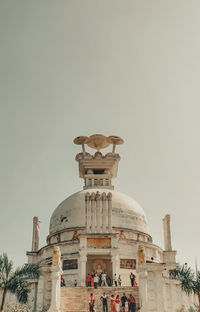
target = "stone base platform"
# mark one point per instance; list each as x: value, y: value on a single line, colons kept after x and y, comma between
x: 76, y: 299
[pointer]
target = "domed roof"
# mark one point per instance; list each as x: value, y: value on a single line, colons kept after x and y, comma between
x: 126, y: 212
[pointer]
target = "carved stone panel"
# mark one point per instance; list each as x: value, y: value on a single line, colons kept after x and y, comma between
x: 128, y: 264
x: 71, y: 264
x: 99, y: 242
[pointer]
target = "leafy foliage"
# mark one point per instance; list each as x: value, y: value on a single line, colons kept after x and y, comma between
x: 190, y: 282
x: 186, y: 276
x: 193, y: 309
x: 16, y: 281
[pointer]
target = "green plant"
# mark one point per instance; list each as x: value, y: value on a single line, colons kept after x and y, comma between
x: 16, y: 281
x: 190, y: 282
x: 193, y: 309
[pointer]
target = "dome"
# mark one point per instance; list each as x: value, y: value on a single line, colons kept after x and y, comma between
x: 126, y: 212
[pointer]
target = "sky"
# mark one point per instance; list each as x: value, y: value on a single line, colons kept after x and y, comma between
x: 126, y: 68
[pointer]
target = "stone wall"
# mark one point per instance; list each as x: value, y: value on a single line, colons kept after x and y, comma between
x: 159, y: 293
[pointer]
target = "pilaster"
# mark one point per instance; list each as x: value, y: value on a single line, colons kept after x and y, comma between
x: 83, y: 262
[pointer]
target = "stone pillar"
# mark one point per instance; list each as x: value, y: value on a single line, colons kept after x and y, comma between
x: 109, y: 197
x: 88, y: 212
x: 143, y: 287
x: 40, y: 292
x: 83, y: 262
x: 56, y: 272
x: 93, y: 212
x: 159, y: 291
x: 115, y: 263
x: 98, y: 213
x: 167, y: 233
x: 36, y: 234
x: 104, y: 212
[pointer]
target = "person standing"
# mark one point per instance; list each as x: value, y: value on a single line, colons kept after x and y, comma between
x: 132, y: 303
x: 104, y: 283
x: 115, y: 279
x: 75, y: 283
x: 91, y: 306
x: 129, y: 305
x: 113, y: 305
x: 132, y: 278
x: 123, y: 301
x: 88, y: 280
x: 91, y: 298
x: 100, y: 279
x: 108, y: 280
x: 62, y: 281
x: 104, y: 302
x: 92, y: 280
x: 119, y: 281
x: 96, y: 280
x: 117, y: 300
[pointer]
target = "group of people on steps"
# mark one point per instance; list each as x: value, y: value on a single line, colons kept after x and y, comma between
x: 102, y: 279
x: 117, y: 304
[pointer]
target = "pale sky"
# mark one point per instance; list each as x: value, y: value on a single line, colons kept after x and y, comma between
x: 80, y: 67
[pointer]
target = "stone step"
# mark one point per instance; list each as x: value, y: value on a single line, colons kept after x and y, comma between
x: 76, y: 299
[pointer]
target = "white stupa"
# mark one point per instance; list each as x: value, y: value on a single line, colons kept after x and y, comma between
x: 101, y: 230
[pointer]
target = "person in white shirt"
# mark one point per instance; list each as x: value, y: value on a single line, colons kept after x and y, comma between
x: 104, y: 299
x: 115, y: 279
x: 104, y: 283
x: 96, y: 280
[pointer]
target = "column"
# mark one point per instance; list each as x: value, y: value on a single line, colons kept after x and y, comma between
x: 104, y: 212
x: 109, y: 197
x: 56, y: 272
x: 40, y: 292
x: 88, y: 212
x: 98, y: 208
x: 143, y: 288
x: 115, y: 263
x: 93, y: 214
x: 167, y: 233
x: 36, y: 234
x: 159, y: 291
x: 83, y: 262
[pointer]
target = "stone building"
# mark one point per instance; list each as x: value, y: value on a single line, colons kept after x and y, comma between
x: 99, y: 229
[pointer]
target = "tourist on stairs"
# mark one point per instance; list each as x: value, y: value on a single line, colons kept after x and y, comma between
x: 104, y: 282
x: 117, y: 300
x: 113, y: 304
x: 132, y: 303
x: 96, y: 280
x: 123, y: 301
x: 119, y: 281
x: 132, y: 278
x: 88, y: 280
x: 104, y: 299
x: 115, y: 279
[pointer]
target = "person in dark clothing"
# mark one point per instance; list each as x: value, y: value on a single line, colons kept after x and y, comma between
x: 132, y: 278
x: 91, y: 303
x: 104, y: 299
x: 123, y: 301
x: 100, y: 279
x: 91, y: 306
x: 132, y: 303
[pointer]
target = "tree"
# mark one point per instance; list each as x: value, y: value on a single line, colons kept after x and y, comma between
x: 190, y: 281
x: 16, y: 281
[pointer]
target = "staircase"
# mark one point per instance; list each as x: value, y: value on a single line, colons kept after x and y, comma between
x: 76, y: 299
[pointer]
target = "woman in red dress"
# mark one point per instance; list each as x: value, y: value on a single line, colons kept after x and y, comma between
x: 113, y: 305
x: 117, y: 306
x: 92, y: 280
